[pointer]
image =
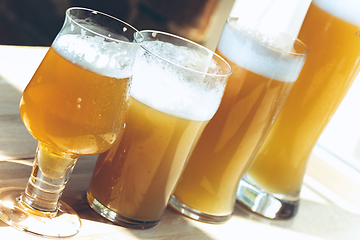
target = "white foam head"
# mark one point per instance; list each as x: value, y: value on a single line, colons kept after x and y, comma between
x: 111, y: 59
x: 259, y: 53
x: 347, y: 10
x: 171, y: 87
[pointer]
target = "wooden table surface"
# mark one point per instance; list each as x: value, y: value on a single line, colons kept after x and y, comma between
x: 329, y: 207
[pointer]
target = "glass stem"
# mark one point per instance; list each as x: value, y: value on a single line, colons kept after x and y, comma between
x: 50, y: 173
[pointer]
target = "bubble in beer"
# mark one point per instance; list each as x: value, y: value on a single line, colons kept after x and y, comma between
x: 171, y: 87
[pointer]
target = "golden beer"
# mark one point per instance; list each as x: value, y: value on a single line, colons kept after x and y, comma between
x: 62, y: 107
x: 75, y: 104
x: 169, y: 107
x: 253, y: 96
x: 67, y: 105
x: 331, y: 33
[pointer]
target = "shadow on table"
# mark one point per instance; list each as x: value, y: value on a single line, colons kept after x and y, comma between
x: 172, y: 223
x: 172, y: 226
x: 315, y: 219
x: 14, y: 173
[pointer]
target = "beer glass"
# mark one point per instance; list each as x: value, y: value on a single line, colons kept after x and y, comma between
x: 272, y: 184
x: 264, y: 70
x: 75, y: 104
x: 177, y: 88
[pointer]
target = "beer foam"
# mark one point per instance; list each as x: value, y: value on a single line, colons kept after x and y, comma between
x: 173, y: 89
x: 347, y: 10
x: 195, y: 59
x: 111, y: 59
x: 259, y: 53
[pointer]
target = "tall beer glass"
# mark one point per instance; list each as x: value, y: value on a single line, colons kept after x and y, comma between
x: 272, y: 184
x: 75, y: 104
x: 177, y: 88
x: 263, y: 74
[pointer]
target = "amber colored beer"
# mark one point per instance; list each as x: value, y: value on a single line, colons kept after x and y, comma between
x: 251, y: 101
x: 140, y: 171
x: 331, y: 67
x: 169, y: 108
x: 69, y: 108
x: 62, y: 107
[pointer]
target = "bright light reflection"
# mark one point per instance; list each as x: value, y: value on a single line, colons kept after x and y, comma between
x: 18, y: 56
x: 7, y: 204
x: 26, y: 162
x: 319, y: 193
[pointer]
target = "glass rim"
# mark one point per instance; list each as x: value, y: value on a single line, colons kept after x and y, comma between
x: 295, y: 39
x: 228, y: 73
x: 67, y: 13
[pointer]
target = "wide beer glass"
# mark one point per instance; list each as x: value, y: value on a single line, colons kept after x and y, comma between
x: 272, y: 184
x: 264, y: 70
x: 75, y: 104
x: 177, y: 88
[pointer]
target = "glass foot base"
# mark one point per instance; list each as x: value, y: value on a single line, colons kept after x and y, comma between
x: 195, y: 214
x: 115, y: 217
x: 65, y: 224
x: 266, y: 204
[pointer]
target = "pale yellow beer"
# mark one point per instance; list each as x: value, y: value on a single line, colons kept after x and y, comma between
x: 331, y: 31
x: 261, y: 79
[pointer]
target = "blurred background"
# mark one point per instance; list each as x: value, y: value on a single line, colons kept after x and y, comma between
x: 36, y: 22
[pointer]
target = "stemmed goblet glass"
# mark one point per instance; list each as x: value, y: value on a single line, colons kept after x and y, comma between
x: 75, y: 104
